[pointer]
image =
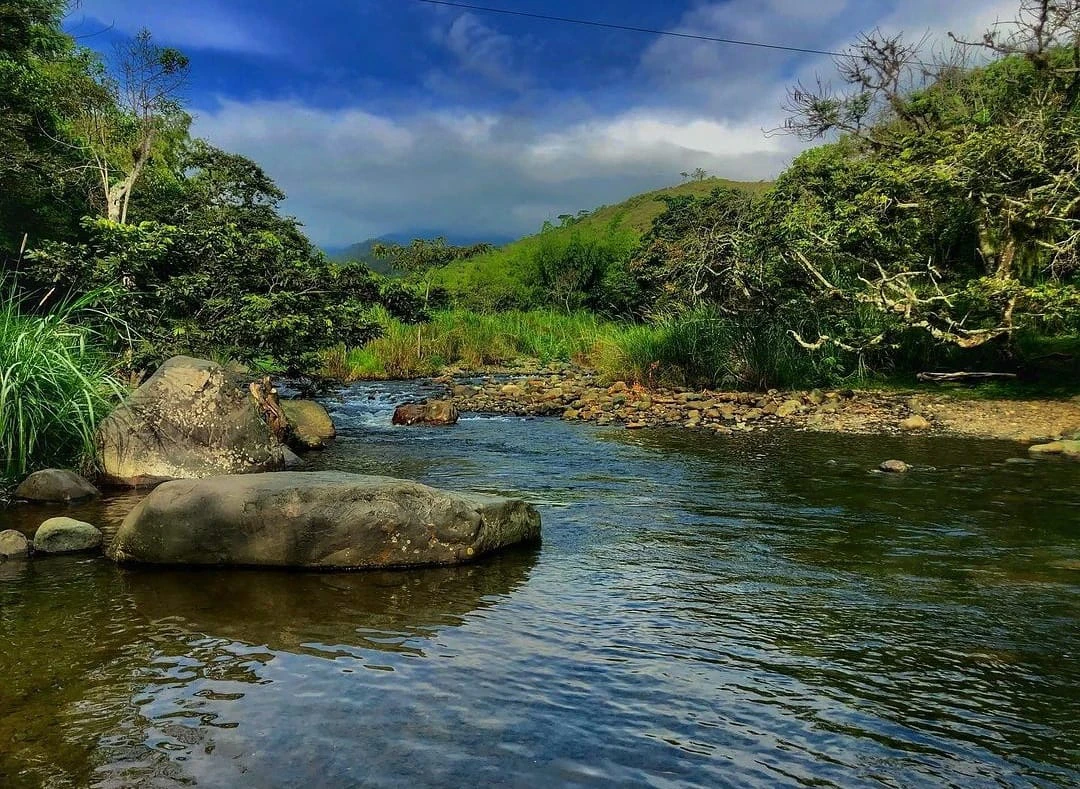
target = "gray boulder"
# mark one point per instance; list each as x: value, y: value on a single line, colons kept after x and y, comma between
x: 191, y: 419
x: 66, y: 535
x: 309, y: 425
x: 325, y: 520
x: 13, y: 545
x: 55, y: 485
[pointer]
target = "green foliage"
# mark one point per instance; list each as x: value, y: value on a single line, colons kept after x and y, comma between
x: 231, y: 276
x: 55, y: 384
x: 520, y: 276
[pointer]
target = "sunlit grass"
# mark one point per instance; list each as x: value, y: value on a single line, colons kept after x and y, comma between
x: 56, y: 383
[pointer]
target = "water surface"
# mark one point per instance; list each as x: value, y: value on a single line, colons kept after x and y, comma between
x: 756, y: 610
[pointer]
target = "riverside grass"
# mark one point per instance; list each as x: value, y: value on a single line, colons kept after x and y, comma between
x: 700, y: 348
x: 55, y: 384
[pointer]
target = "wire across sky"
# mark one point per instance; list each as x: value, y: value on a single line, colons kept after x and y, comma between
x: 630, y: 28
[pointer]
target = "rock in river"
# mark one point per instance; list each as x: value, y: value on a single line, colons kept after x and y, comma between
x: 434, y: 412
x: 192, y: 418
x: 324, y: 520
x: 13, y: 545
x: 66, y: 535
x: 310, y: 425
x: 55, y: 485
x: 1069, y: 449
x: 894, y: 467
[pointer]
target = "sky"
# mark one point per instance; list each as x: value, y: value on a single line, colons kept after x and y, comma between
x: 396, y: 116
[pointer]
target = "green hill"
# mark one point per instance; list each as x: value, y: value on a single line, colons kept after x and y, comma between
x: 638, y: 212
x: 509, y: 277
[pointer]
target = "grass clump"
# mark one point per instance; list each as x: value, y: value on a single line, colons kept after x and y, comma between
x: 56, y: 383
x: 470, y: 340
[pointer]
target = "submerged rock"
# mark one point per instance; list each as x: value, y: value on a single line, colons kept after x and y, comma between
x: 434, y: 412
x: 55, y: 485
x: 1069, y: 449
x: 191, y: 419
x: 325, y: 520
x: 13, y: 545
x: 66, y: 535
x: 310, y: 425
x: 894, y: 467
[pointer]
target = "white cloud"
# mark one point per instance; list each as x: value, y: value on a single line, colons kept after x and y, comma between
x: 197, y: 24
x: 353, y: 174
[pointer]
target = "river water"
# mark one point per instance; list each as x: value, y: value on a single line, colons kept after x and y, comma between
x: 755, y: 610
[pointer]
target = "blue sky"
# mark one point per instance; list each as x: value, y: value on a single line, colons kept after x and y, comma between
x: 382, y: 116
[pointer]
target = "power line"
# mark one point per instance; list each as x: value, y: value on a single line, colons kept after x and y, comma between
x: 631, y: 28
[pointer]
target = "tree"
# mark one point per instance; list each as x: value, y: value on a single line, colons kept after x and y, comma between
x: 43, y: 79
x: 421, y: 259
x: 138, y: 109
x: 932, y: 143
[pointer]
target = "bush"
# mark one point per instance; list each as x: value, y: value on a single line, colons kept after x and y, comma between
x: 55, y: 385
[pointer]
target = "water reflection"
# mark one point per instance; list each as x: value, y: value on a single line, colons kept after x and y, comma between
x: 324, y: 614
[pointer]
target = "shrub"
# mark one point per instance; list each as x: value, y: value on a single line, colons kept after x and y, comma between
x: 55, y: 384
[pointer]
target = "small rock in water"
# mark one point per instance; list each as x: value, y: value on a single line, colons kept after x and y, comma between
x: 66, y: 535
x: 894, y: 467
x: 13, y: 545
x: 55, y: 485
x: 435, y: 412
x: 292, y: 460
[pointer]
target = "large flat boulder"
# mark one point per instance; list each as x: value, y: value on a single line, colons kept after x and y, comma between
x: 191, y: 419
x: 324, y: 520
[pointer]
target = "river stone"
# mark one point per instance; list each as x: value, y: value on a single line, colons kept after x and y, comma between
x: 894, y: 467
x: 55, y: 485
x: 434, y: 412
x: 324, y: 520
x: 916, y: 422
x: 191, y: 419
x: 1069, y: 449
x: 66, y: 535
x: 13, y: 545
x: 310, y: 425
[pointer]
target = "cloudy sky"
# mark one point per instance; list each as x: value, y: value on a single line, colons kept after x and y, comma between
x: 384, y: 116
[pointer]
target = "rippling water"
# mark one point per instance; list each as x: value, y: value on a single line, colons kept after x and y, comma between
x: 756, y: 610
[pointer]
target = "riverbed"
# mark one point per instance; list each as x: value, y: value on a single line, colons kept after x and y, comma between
x: 757, y: 609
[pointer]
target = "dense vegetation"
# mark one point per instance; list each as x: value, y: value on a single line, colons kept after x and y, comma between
x: 55, y: 384
x: 938, y: 225
x: 103, y: 185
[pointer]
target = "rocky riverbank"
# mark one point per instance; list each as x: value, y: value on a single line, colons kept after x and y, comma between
x: 579, y: 395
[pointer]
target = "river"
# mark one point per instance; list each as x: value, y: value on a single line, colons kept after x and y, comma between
x: 753, y: 610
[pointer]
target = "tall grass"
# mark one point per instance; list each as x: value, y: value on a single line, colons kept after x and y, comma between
x: 471, y: 340
x: 56, y: 383
x: 697, y: 348
x: 703, y: 347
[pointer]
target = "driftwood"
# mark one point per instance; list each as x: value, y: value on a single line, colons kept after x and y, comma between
x: 269, y: 404
x: 964, y: 378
